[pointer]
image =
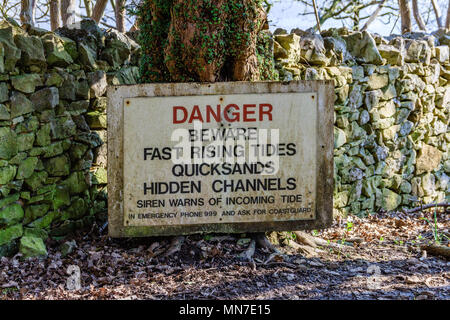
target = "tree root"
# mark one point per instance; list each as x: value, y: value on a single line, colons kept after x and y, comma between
x: 428, y: 206
x: 437, y: 250
x: 248, y: 254
x: 307, y: 250
x: 309, y: 244
x: 175, y: 246
x: 264, y: 243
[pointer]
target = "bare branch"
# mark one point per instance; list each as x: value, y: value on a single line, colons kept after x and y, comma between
x: 317, y: 15
x: 374, y: 15
x: 437, y: 12
x: 417, y: 16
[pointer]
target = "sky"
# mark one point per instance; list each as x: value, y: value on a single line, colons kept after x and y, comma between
x: 287, y: 14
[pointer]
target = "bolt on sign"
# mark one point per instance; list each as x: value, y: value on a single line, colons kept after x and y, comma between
x: 222, y: 157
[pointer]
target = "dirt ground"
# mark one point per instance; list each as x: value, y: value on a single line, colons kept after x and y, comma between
x: 377, y: 257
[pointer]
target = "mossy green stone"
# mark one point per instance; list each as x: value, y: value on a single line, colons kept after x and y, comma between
x: 76, y: 210
x: 18, y: 158
x: 71, y: 47
x: 25, y: 195
x: 62, y: 127
x: 4, y: 94
x: 36, y: 180
x: 378, y: 81
x: 25, y: 141
x: 57, y: 166
x: 53, y: 149
x: 32, y: 51
x: 2, y: 58
x: 44, y: 221
x: 340, y: 137
x: 10, y: 233
x: 8, y: 143
x: 9, y: 249
x: 20, y: 105
x: 58, y: 197
x: 45, y: 99
x: 405, y: 187
x: 4, y: 112
x: 26, y: 83
x: 76, y: 182
x: 59, y: 58
x: 30, y: 124
x: 35, y: 232
x: 11, y: 214
x: 7, y: 174
x: 100, y: 176
x: 391, y: 200
x: 11, y: 52
x: 43, y: 135
x: 96, y: 120
x: 34, y: 212
x: 26, y: 168
x: 9, y: 199
x: 87, y: 57
x: 55, y: 51
x: 77, y: 150
x: 54, y: 79
x: 32, y: 247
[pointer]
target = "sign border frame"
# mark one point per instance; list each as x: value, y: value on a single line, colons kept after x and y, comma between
x: 324, y: 90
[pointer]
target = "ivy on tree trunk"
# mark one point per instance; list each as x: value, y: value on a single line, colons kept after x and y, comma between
x: 204, y: 40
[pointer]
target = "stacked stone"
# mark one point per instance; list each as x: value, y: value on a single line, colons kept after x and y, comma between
x: 52, y: 128
x: 392, y: 110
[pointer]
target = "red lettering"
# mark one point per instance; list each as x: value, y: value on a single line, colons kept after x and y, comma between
x: 268, y: 112
x: 175, y: 112
x: 196, y: 114
x: 235, y: 114
x: 210, y: 111
x: 248, y: 112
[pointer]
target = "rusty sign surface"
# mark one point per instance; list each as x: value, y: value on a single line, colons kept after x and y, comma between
x: 222, y: 157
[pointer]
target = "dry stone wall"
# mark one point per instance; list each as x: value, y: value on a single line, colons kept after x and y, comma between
x: 391, y: 133
x: 53, y: 128
x: 391, y: 121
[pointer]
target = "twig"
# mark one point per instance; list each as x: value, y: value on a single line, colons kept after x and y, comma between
x: 427, y: 206
x: 374, y: 15
x: 317, y: 15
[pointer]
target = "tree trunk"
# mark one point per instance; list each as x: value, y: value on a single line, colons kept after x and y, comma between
x: 405, y: 14
x: 417, y: 16
x: 68, y: 10
x: 99, y: 9
x: 202, y: 40
x: 120, y: 15
x: 87, y: 5
x: 437, y: 13
x: 54, y: 14
x: 447, y: 21
x: 27, y: 11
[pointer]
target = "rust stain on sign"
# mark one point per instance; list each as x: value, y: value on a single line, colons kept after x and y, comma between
x: 260, y: 157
